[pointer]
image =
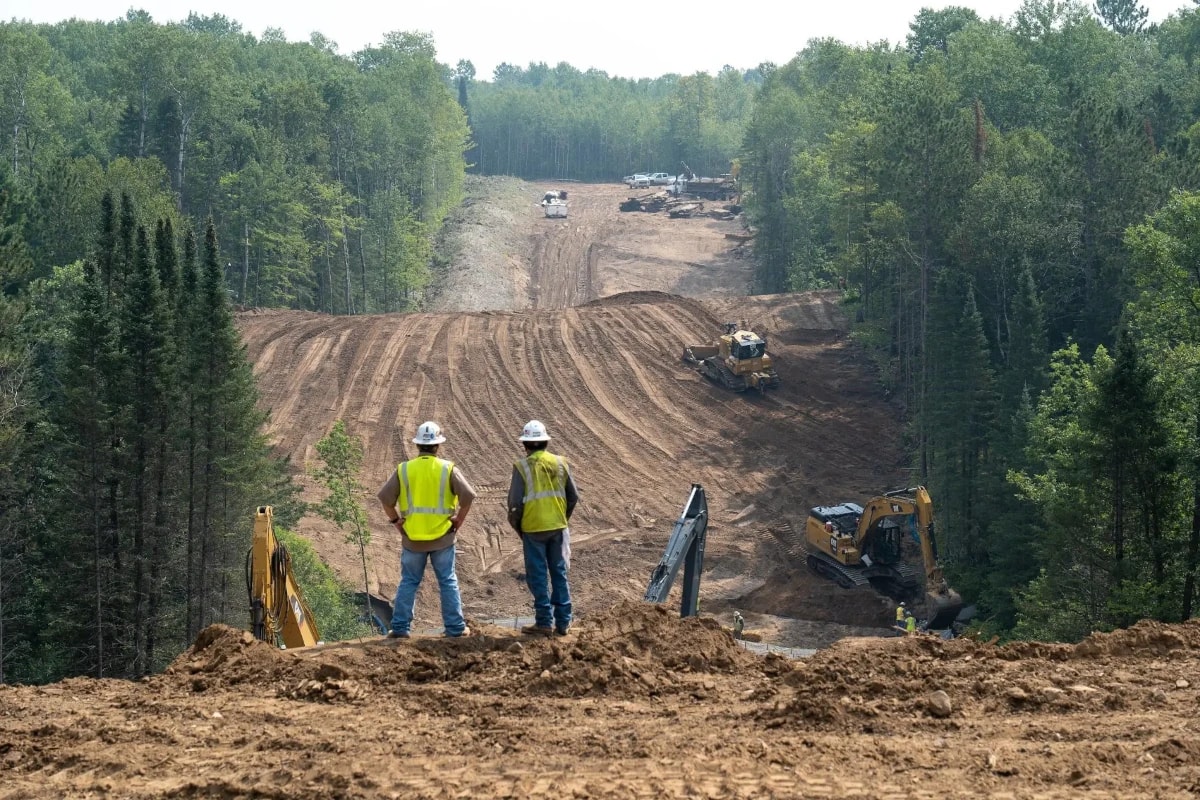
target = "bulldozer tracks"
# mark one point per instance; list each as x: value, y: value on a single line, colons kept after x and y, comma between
x: 790, y: 541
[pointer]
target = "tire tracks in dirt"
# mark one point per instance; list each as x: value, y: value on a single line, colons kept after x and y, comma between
x: 637, y: 424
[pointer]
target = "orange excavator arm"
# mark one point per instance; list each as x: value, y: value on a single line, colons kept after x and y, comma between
x: 277, y: 607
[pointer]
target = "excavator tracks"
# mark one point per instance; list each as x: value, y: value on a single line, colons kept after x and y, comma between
x: 899, y: 581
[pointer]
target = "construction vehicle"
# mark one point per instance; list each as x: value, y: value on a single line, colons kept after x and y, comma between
x: 738, y: 360
x: 278, y: 613
x: 685, y: 548
x: 554, y: 203
x: 721, y: 188
x: 857, y: 546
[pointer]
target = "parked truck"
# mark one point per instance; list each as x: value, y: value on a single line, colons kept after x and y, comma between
x: 689, y: 183
x: 554, y: 203
x: 722, y: 188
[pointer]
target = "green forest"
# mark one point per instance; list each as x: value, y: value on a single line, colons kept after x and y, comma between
x: 1010, y: 208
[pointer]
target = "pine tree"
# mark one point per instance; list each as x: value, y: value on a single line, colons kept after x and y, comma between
x: 1011, y: 524
x: 1136, y: 463
x: 16, y: 410
x: 86, y: 425
x: 1024, y: 368
x: 1123, y: 16
x: 232, y: 468
x: 960, y: 417
x: 149, y: 382
x: 106, y: 247
x: 187, y: 316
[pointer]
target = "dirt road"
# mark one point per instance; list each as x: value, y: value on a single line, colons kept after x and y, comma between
x: 506, y: 255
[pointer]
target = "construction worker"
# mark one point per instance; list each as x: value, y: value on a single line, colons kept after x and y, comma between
x: 910, y: 624
x: 901, y: 612
x: 739, y: 624
x: 541, y: 497
x: 433, y: 498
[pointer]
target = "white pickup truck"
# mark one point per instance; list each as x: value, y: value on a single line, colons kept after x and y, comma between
x: 636, y: 180
x: 660, y: 178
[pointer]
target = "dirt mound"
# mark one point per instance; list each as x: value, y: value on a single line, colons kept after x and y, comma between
x: 631, y: 649
x: 876, y: 684
x: 634, y: 298
x: 638, y: 649
x: 634, y: 704
x: 1145, y: 639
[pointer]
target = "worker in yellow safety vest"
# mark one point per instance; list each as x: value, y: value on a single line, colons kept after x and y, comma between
x: 541, y: 497
x: 427, y: 499
x: 901, y: 612
x: 910, y: 624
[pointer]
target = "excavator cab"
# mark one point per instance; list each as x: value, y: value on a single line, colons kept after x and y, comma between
x: 839, y: 526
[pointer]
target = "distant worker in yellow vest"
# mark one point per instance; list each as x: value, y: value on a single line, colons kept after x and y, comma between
x: 901, y: 613
x: 910, y: 624
x: 432, y: 498
x: 541, y: 497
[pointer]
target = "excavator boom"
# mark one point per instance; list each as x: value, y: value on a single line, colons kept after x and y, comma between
x: 685, y: 548
x: 277, y: 607
x: 942, y: 603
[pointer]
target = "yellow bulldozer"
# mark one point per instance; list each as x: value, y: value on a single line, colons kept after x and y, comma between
x: 865, y: 545
x: 738, y: 361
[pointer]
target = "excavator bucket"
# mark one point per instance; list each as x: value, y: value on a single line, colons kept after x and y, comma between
x: 942, y: 608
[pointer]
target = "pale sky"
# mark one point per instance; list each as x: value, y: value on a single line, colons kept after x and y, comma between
x: 643, y: 39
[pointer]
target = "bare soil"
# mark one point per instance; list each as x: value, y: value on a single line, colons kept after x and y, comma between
x: 634, y: 704
x: 581, y: 322
x: 601, y: 364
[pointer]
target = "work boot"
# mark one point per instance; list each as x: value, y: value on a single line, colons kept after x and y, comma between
x: 466, y: 631
x: 537, y: 630
x: 562, y: 630
x: 397, y: 635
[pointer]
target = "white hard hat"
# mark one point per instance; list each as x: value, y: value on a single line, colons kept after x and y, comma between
x: 429, y: 433
x: 534, y: 431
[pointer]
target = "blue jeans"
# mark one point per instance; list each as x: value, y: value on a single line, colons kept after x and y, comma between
x: 412, y: 569
x: 551, y: 598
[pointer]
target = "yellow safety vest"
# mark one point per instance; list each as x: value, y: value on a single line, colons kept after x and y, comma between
x: 899, y: 613
x: 545, y: 500
x: 425, y: 497
x: 910, y: 624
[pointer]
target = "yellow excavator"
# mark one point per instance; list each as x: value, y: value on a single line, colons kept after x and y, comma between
x: 738, y: 361
x: 864, y: 545
x: 278, y: 613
